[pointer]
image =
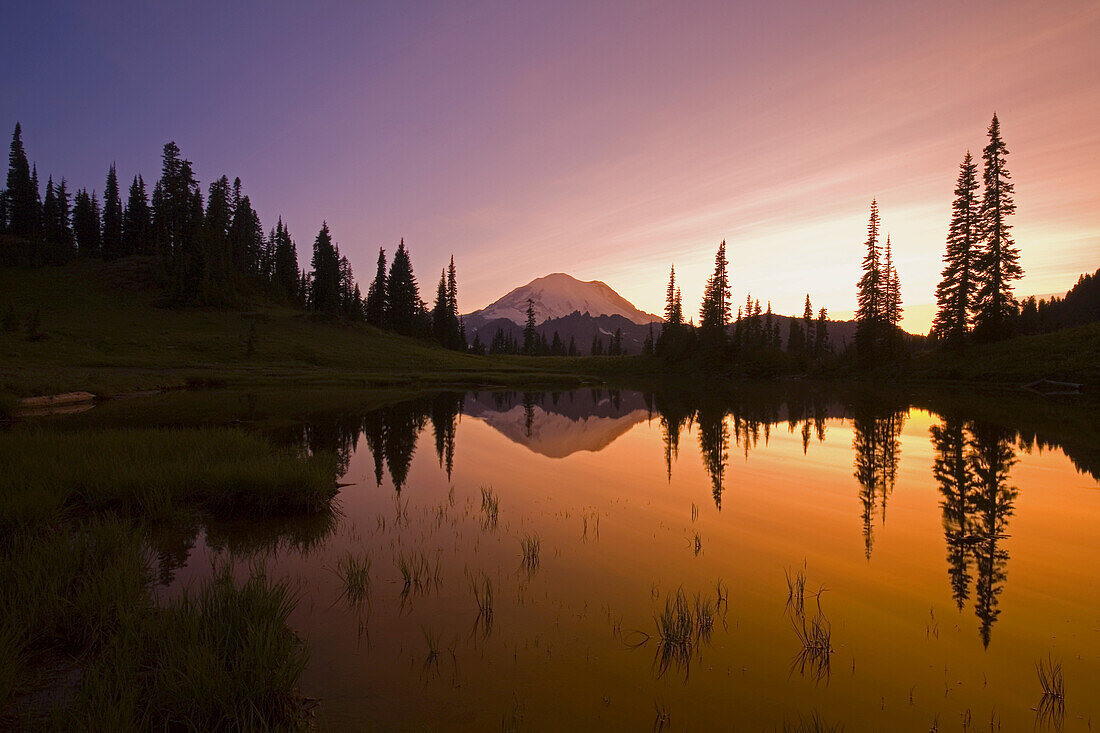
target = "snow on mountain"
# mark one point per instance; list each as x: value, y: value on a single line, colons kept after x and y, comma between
x: 558, y: 295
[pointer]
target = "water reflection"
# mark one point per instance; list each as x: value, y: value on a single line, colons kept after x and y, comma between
x: 971, y: 466
x: 877, y: 451
x: 972, y: 460
x: 487, y: 559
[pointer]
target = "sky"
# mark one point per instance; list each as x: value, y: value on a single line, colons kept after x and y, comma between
x: 607, y: 140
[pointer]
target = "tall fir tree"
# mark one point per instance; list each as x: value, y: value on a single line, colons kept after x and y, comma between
x: 674, y: 314
x: 112, y: 217
x: 457, y: 331
x: 530, y: 336
x: 821, y: 333
x: 49, y: 214
x: 956, y: 294
x: 136, y: 224
x: 404, y: 307
x: 807, y: 326
x: 286, y: 262
x: 20, y: 215
x: 441, y: 312
x: 325, y: 295
x: 998, y: 264
x: 714, y: 312
x: 86, y: 224
x: 891, y: 302
x: 869, y: 313
x: 376, y: 294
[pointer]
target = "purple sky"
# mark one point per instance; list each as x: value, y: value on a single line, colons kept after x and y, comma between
x: 605, y: 140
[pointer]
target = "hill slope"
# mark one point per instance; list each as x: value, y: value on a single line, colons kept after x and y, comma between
x: 110, y: 339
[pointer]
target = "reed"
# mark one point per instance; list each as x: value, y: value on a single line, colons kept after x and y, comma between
x: 529, y: 546
x: 354, y: 572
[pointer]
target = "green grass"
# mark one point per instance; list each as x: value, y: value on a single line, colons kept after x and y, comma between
x: 109, y: 340
x: 1072, y: 355
x: 152, y: 472
x: 222, y: 658
x: 80, y: 511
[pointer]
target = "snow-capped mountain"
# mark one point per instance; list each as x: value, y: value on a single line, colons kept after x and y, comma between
x: 559, y: 295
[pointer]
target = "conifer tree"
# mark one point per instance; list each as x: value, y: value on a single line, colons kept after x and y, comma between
x: 65, y: 241
x: 807, y: 326
x: 674, y: 315
x: 136, y: 225
x: 998, y: 264
x: 376, y: 294
x: 529, y: 334
x: 891, y: 300
x: 286, y: 262
x: 557, y: 348
x: 404, y: 307
x: 49, y: 214
x: 648, y: 344
x: 870, y: 287
x: 956, y: 293
x: 217, y: 265
x: 714, y: 313
x: 573, y: 351
x: 441, y: 313
x: 821, y: 335
x: 597, y: 346
x: 86, y: 224
x: 325, y: 295
x: 112, y: 217
x: 20, y: 215
x: 178, y: 215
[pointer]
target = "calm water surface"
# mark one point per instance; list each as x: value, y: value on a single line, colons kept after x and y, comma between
x: 945, y: 552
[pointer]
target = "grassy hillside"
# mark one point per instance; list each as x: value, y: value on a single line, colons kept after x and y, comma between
x: 1072, y: 355
x: 114, y: 338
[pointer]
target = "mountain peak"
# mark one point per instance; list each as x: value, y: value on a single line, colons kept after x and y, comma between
x: 560, y: 294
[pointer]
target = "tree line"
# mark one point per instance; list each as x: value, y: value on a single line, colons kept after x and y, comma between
x: 751, y: 342
x: 211, y: 250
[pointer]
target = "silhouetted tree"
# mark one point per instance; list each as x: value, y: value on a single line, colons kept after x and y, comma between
x: 86, y: 224
x: 286, y: 263
x: 530, y: 336
x: 956, y: 293
x: 869, y: 313
x: 714, y: 312
x: 998, y: 264
x: 376, y: 294
x: 136, y: 222
x: 403, y: 305
x: 20, y: 209
x: 325, y: 296
x: 112, y: 217
x: 674, y: 314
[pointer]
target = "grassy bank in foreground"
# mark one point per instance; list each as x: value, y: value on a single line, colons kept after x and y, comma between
x: 87, y: 326
x: 84, y: 643
x: 1072, y: 355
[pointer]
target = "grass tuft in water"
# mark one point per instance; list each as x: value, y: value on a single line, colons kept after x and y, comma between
x: 482, y: 588
x: 354, y: 572
x: 490, y: 508
x: 529, y: 546
x: 813, y: 724
x: 1051, y: 710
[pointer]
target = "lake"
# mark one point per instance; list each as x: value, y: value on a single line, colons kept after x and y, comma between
x: 616, y: 559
